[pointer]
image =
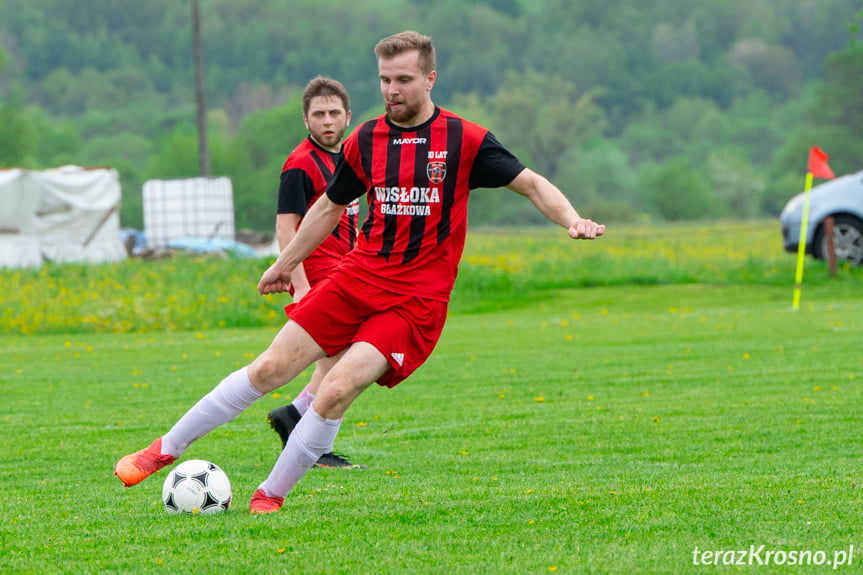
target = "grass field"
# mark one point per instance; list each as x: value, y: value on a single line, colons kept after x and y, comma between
x: 606, y: 429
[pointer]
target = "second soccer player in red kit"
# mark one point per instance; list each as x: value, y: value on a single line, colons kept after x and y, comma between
x: 305, y: 175
x: 384, y: 307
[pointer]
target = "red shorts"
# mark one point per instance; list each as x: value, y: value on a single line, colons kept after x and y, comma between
x: 317, y: 267
x: 342, y: 310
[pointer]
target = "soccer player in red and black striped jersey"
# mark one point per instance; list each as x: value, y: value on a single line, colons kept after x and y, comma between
x: 384, y: 306
x: 305, y: 175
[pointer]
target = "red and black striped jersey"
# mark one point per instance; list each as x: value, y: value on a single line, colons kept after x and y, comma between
x: 305, y: 175
x: 417, y: 181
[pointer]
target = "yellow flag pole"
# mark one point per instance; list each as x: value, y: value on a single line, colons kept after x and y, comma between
x: 801, y: 245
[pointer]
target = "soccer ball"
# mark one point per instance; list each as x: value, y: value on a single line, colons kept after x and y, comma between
x: 196, y: 486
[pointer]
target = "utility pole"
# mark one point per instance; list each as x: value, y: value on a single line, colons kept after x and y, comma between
x: 201, y: 114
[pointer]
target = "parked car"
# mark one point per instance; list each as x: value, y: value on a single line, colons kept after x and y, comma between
x: 841, y: 198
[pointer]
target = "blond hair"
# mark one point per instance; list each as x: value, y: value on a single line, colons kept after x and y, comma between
x: 396, y: 44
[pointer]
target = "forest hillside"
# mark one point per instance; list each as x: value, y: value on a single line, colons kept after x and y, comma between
x: 663, y: 110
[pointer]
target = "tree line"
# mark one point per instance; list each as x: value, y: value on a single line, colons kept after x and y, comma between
x: 663, y: 110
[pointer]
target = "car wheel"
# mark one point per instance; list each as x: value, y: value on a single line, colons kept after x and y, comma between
x: 847, y: 240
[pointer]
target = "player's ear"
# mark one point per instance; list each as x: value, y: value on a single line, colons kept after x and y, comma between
x: 306, y: 121
x: 348, y: 116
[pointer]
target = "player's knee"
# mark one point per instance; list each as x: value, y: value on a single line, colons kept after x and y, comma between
x: 264, y: 372
x: 334, y: 396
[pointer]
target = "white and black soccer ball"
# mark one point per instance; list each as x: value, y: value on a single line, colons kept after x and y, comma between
x: 196, y: 486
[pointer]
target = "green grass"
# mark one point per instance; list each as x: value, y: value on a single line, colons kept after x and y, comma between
x: 597, y: 430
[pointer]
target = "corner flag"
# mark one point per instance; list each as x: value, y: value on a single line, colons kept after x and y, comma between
x: 818, y: 164
x: 817, y: 168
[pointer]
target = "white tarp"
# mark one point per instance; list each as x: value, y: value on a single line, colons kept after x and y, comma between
x: 189, y: 208
x: 67, y: 214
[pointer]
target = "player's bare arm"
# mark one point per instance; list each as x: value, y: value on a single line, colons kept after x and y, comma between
x: 286, y: 229
x: 551, y: 202
x: 320, y: 220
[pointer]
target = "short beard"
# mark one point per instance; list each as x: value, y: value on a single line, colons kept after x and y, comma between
x: 403, y: 116
x: 337, y: 138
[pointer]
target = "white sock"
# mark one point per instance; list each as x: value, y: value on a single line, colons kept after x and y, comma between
x: 303, y: 401
x: 227, y: 400
x: 312, y: 437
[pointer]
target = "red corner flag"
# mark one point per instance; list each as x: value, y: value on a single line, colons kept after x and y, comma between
x: 818, y: 164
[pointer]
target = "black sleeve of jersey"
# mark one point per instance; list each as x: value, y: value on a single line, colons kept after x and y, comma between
x: 346, y: 185
x: 494, y: 166
x: 296, y: 190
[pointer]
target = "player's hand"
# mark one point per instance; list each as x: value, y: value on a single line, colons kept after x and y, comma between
x: 274, y: 280
x: 586, y: 230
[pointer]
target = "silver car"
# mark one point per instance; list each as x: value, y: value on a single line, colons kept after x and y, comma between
x: 841, y: 198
